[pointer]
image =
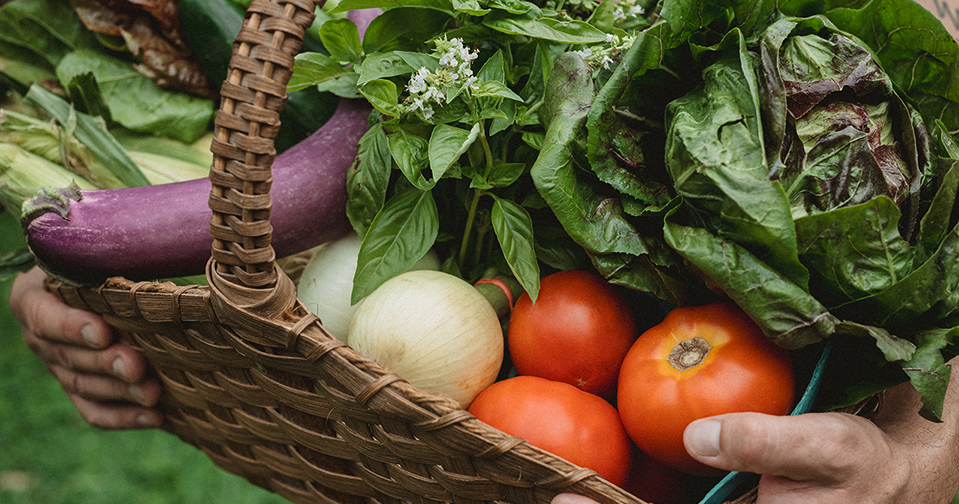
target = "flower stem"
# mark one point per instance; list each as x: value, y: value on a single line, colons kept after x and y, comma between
x: 464, y: 245
x: 474, y: 204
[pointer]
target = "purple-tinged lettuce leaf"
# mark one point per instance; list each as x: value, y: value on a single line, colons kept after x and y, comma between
x: 716, y: 157
x: 914, y: 48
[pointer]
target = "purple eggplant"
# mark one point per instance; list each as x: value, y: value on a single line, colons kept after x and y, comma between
x: 162, y: 231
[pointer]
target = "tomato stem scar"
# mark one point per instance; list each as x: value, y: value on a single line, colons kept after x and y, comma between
x: 688, y: 353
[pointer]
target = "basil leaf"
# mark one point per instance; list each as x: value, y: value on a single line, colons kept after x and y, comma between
x: 342, y: 39
x: 471, y: 7
x: 534, y: 139
x: 382, y: 94
x: 404, y: 28
x: 368, y: 178
x: 315, y: 69
x: 499, y: 124
x: 504, y: 174
x: 514, y: 6
x: 417, y: 60
x: 496, y: 89
x: 514, y: 230
x: 411, y: 153
x: 447, y: 144
x: 488, y: 113
x: 343, y: 86
x: 604, y: 16
x: 540, y: 69
x: 348, y: 5
x: 494, y: 69
x: 566, y: 32
x: 382, y: 66
x: 478, y: 181
x: 450, y: 113
x: 402, y: 232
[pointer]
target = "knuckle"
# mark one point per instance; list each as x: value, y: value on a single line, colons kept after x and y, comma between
x: 65, y: 377
x: 74, y: 383
x: 96, y: 418
x: 33, y: 316
x: 845, y: 444
x: 63, y: 356
x: 748, y: 441
x: 34, y: 343
x: 93, y: 413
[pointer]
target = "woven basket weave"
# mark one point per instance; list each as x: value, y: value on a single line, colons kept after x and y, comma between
x: 254, y: 380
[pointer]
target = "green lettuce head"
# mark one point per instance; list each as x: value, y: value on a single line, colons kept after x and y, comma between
x: 811, y: 197
x: 796, y: 160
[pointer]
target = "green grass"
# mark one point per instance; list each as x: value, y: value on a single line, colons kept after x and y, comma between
x: 49, y: 455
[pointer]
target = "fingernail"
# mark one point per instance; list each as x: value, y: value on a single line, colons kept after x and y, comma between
x: 90, y: 336
x: 145, y: 420
x: 120, y: 369
x: 137, y: 393
x: 702, y: 437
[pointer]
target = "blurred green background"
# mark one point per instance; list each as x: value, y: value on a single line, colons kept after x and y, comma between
x: 51, y: 456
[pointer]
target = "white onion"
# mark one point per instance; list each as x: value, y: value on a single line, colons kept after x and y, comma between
x: 434, y: 330
x: 327, y: 282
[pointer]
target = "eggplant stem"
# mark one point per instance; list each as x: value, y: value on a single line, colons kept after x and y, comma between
x: 50, y: 200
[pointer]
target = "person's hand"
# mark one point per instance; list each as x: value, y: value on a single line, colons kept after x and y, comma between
x: 106, y: 381
x: 814, y: 458
x: 897, y: 457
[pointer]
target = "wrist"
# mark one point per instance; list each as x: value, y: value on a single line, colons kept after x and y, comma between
x: 929, y: 451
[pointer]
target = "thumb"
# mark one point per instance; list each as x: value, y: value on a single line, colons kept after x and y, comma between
x: 823, y: 447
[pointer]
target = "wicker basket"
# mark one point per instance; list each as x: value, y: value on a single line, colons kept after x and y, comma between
x: 254, y: 380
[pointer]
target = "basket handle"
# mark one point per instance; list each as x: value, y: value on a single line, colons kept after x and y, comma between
x: 252, y: 96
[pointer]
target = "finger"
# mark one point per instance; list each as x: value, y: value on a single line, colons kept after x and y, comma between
x: 45, y: 316
x: 117, y: 416
x: 102, y: 388
x: 118, y: 361
x: 570, y: 498
x: 815, y: 447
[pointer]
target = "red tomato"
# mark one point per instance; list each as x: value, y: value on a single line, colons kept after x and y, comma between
x: 577, y: 332
x: 653, y: 482
x: 577, y: 426
x: 728, y: 365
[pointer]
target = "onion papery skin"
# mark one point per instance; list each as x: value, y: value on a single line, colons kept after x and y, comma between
x: 326, y: 284
x: 434, y: 330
